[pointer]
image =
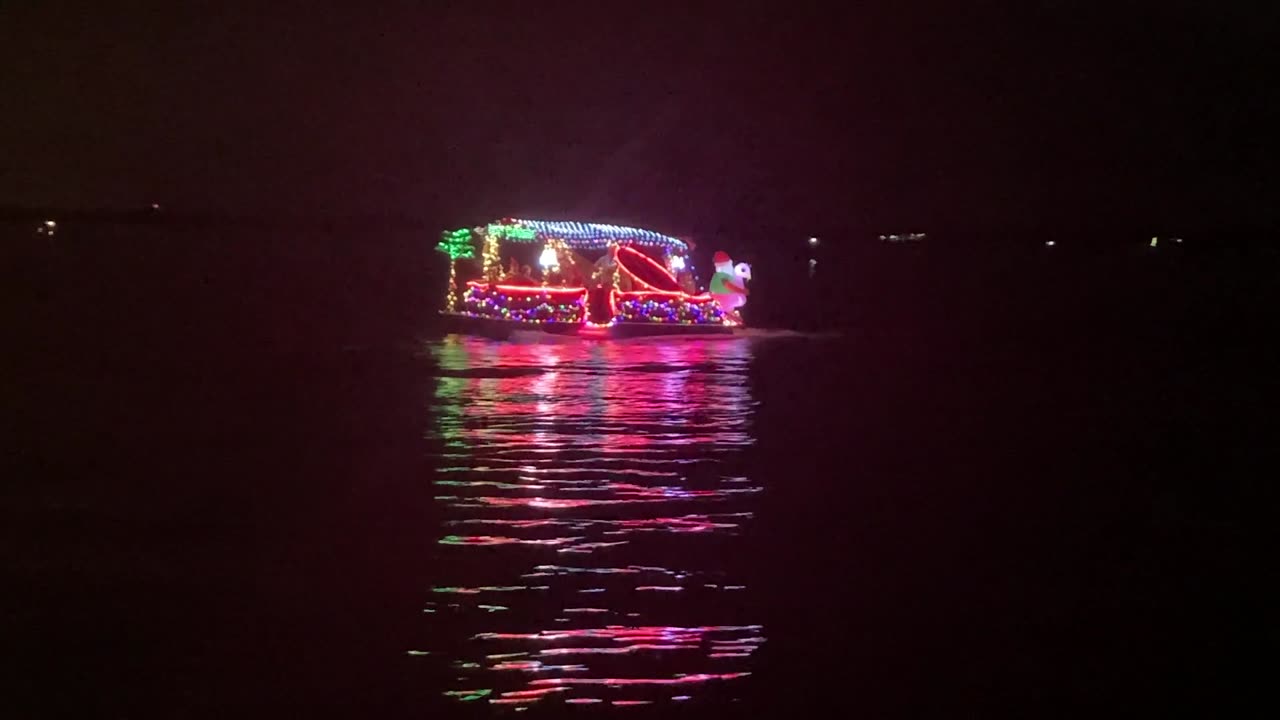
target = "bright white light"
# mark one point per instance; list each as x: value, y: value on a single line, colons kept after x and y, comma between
x: 548, y: 258
x: 677, y: 262
x: 1049, y: 243
x: 813, y: 241
x: 50, y: 223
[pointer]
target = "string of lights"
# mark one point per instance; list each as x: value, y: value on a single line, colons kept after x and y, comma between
x: 652, y: 293
x: 667, y: 307
x: 525, y: 304
x: 458, y: 245
x: 583, y: 236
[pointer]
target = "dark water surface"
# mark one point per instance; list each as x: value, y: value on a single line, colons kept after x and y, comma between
x: 594, y: 497
x: 249, y: 478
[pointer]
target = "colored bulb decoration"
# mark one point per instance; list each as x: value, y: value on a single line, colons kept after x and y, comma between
x: 667, y: 307
x: 581, y: 236
x: 520, y: 303
x: 648, y: 277
x: 451, y: 293
x: 594, y: 235
x: 491, y: 258
x: 513, y: 232
x: 458, y: 245
x: 574, y: 236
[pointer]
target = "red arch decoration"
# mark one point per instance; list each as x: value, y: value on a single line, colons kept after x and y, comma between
x: 645, y: 271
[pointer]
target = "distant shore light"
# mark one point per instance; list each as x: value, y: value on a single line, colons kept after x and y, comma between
x: 813, y: 241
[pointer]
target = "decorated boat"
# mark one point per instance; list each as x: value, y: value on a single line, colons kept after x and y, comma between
x: 586, y: 279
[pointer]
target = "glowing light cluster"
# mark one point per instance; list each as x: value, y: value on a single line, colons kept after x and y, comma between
x: 491, y: 258
x: 549, y: 258
x: 680, y: 680
x: 904, y: 237
x: 674, y: 308
x: 522, y: 304
x: 457, y: 244
x: 509, y: 231
x: 560, y: 240
x: 580, y: 235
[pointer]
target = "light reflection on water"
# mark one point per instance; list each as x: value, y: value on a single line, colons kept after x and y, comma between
x: 590, y: 492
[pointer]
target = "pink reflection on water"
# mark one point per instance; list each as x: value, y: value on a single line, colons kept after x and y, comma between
x: 624, y: 494
x: 639, y: 647
x: 625, y: 633
x: 682, y: 680
x: 682, y: 523
x: 602, y: 470
x: 499, y: 540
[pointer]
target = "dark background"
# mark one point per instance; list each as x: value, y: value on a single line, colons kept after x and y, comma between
x: 1025, y: 484
x: 983, y: 116
x: 216, y: 409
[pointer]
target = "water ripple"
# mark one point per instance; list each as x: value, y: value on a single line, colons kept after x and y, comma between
x: 583, y: 483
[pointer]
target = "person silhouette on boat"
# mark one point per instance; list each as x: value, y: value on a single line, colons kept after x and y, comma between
x: 518, y: 274
x: 686, y: 281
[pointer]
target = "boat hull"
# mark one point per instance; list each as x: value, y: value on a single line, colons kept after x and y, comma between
x: 502, y: 329
x: 638, y: 329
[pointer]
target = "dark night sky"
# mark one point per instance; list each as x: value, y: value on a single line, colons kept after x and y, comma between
x: 982, y: 116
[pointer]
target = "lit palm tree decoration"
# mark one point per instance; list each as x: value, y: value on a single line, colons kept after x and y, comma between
x: 457, y: 244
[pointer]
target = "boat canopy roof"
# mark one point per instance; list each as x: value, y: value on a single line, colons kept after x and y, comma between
x: 580, y: 235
